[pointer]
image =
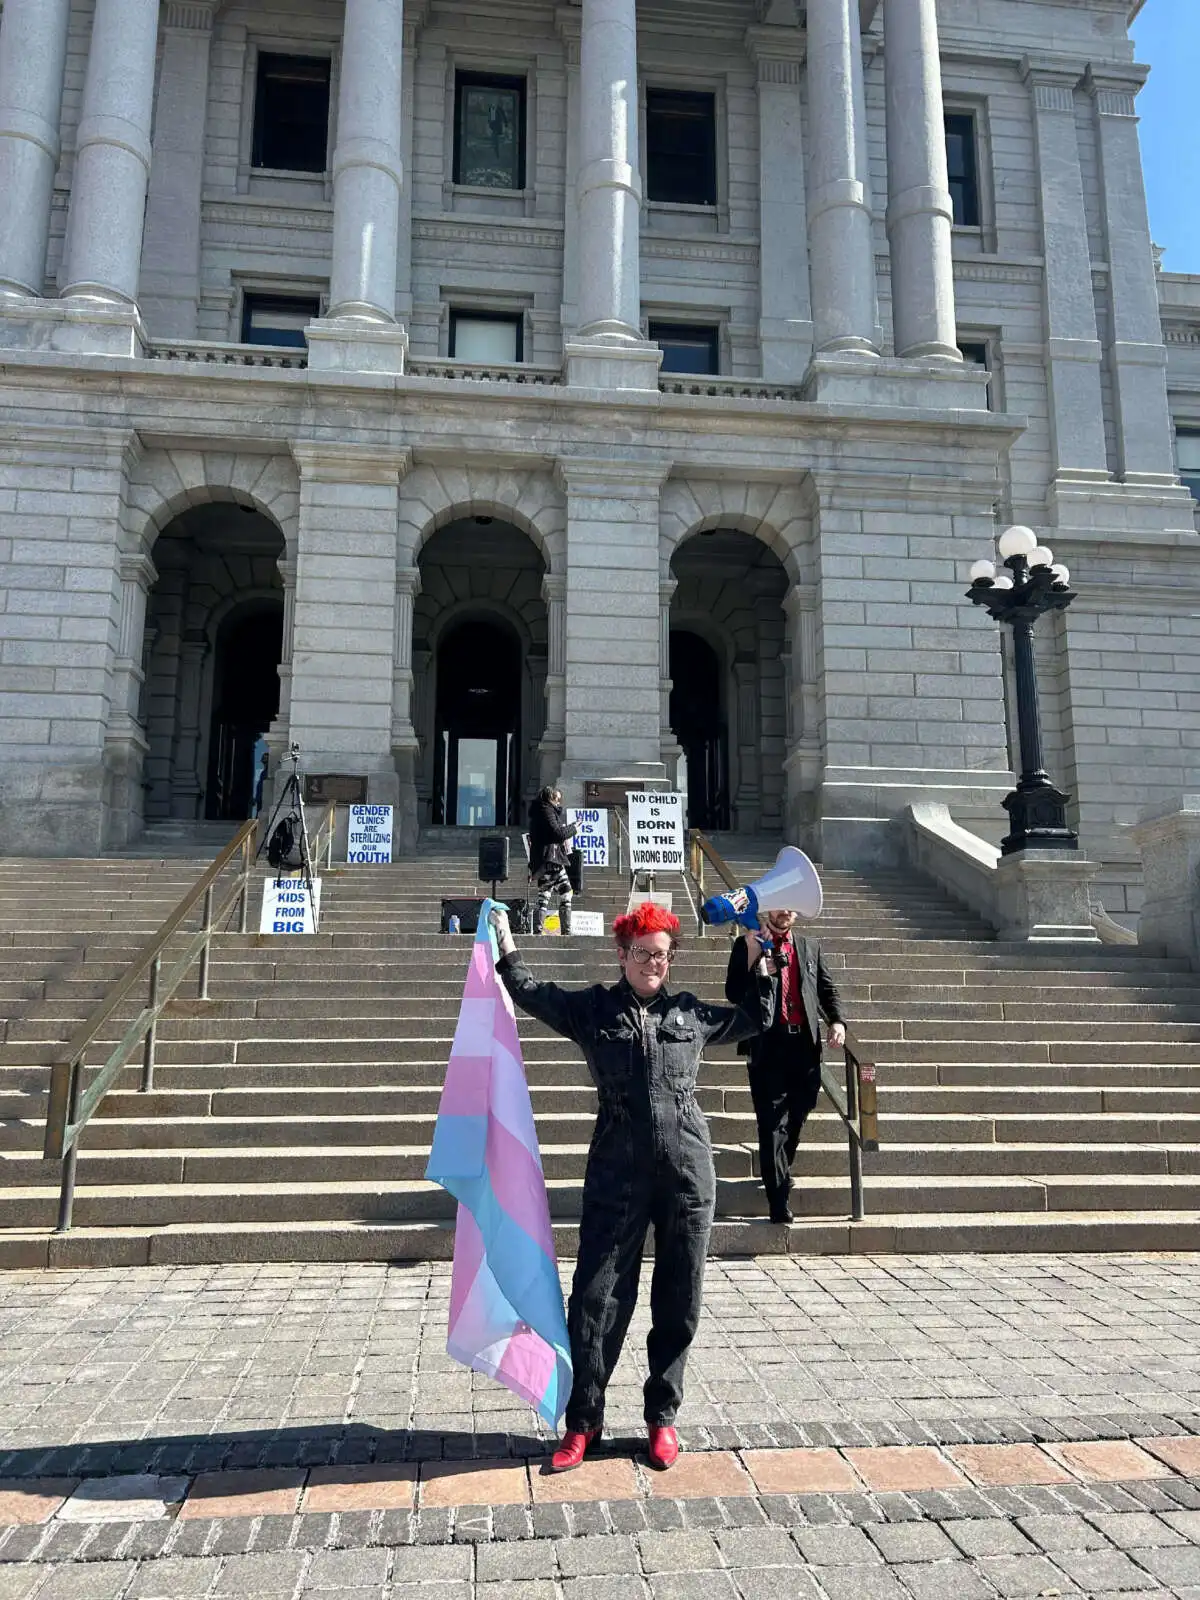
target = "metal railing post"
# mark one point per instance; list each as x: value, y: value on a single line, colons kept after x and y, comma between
x: 244, y: 903
x: 152, y: 1030
x: 66, y: 1193
x: 856, y: 1171
x: 207, y: 945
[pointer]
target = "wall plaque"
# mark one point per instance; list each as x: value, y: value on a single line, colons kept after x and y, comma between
x: 324, y: 788
x: 613, y: 791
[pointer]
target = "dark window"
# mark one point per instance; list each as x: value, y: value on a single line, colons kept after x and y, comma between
x: 489, y: 131
x: 278, y: 318
x: 685, y: 347
x: 961, y: 161
x: 1187, y: 446
x: 975, y: 354
x: 681, y: 147
x: 291, y: 113
x: 491, y: 338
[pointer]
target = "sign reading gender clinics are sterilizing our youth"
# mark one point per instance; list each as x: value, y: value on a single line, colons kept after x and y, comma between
x: 591, y: 836
x: 369, y: 837
x: 655, y: 831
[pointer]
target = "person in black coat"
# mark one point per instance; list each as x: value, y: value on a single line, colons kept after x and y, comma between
x: 785, y: 1061
x: 550, y: 836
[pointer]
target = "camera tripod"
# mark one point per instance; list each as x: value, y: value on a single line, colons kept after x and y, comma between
x: 292, y: 851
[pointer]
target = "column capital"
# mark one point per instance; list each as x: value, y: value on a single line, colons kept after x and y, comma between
x: 569, y: 25
x: 778, y: 53
x: 1053, y: 81
x: 1115, y: 92
x: 196, y: 16
x: 554, y: 588
x: 137, y: 567
x: 408, y: 581
x: 584, y: 474
x: 352, y: 463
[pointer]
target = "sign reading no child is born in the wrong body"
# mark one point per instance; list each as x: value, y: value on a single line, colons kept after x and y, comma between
x: 655, y: 831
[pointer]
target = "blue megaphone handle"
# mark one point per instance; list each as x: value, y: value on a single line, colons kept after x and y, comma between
x: 740, y: 906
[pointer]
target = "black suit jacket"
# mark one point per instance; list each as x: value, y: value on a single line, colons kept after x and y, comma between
x: 817, y: 990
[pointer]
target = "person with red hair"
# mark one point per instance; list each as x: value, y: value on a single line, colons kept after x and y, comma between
x: 650, y: 1161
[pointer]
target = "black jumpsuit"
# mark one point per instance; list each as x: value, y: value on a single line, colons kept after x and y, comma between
x: 650, y: 1161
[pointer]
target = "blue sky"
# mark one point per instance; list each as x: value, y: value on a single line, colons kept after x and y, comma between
x: 1167, y: 35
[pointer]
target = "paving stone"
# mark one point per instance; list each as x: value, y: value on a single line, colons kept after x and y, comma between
x: 1062, y: 1533
x: 599, y: 1478
x: 1016, y: 1577
x: 595, y: 1557
x: 757, y: 1547
x: 702, y: 1513
x: 33, y: 1499
x: 1174, y: 1564
x: 605, y: 1588
x: 1001, y: 1464
x: 678, y: 1552
x: 799, y: 1471
x: 232, y: 1536
x: 1184, y: 1522
x: 1108, y: 1460
x: 905, y: 1467
x: 859, y: 1583
x: 347, y: 1569
x: 550, y: 1522
x: 588, y: 1517
x: 910, y: 1542
x: 517, y: 1589
x: 1101, y: 1571
x: 89, y: 1581
x: 775, y: 1583
x: 693, y: 1586
x: 366, y: 1487
x: 943, y: 1580
x: 702, y: 1476
x: 835, y: 1547
x: 989, y: 1538
x: 243, y: 1576
x: 1182, y: 1454
x: 1136, y: 1530
x: 175, y: 1578
x: 531, y: 1558
x: 18, y: 1583
x: 474, y: 1483
x: 243, y: 1494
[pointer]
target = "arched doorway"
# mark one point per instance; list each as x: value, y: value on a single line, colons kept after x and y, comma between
x: 213, y: 644
x: 479, y: 673
x: 478, y: 725
x: 245, y: 702
x: 699, y: 723
x: 727, y: 621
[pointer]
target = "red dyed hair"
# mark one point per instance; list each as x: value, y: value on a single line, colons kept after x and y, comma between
x: 644, y: 919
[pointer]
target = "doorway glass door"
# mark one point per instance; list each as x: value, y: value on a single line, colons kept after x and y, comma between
x: 475, y: 792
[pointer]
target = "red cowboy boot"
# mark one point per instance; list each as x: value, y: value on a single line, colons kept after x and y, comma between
x: 663, y: 1448
x: 570, y: 1452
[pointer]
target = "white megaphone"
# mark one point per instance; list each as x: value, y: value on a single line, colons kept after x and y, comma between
x: 792, y: 884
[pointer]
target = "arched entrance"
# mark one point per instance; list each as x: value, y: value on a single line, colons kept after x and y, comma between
x: 478, y: 722
x: 245, y: 700
x: 699, y: 723
x: 213, y: 644
x: 728, y: 635
x: 479, y: 673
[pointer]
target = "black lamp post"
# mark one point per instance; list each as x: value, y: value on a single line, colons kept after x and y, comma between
x: 1037, y: 810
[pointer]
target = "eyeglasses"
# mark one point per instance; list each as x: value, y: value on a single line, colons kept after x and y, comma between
x: 643, y: 957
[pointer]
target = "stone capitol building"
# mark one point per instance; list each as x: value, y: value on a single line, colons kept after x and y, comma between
x: 486, y: 393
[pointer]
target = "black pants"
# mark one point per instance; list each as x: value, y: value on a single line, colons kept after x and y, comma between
x: 785, y: 1081
x: 624, y: 1191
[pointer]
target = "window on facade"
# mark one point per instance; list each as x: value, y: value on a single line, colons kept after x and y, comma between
x: 975, y: 353
x: 686, y: 347
x: 1187, y: 448
x: 488, y: 338
x: 489, y: 131
x: 277, y: 318
x: 291, y: 113
x: 681, y: 147
x: 962, y: 162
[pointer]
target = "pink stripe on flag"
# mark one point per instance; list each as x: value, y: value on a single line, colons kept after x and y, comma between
x: 481, y: 981
x: 528, y: 1365
x: 468, y: 1258
x: 465, y: 1092
x: 518, y: 1185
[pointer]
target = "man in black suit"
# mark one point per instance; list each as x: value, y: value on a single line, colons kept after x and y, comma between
x: 785, y: 1061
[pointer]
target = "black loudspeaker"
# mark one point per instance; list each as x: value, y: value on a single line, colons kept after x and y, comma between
x: 493, y: 858
x: 467, y: 912
x: 575, y: 870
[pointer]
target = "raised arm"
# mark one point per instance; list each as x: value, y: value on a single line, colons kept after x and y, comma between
x: 564, y: 1010
x: 750, y: 988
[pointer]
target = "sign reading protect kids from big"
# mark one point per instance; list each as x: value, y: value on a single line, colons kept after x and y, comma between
x: 655, y: 830
x: 286, y: 907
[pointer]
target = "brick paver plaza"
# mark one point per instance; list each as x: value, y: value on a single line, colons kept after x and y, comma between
x: 856, y: 1428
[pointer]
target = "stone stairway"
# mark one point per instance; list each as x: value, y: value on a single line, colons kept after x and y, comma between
x: 1029, y: 1099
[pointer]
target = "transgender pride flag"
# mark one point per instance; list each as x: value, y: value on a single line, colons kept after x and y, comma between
x: 506, y: 1306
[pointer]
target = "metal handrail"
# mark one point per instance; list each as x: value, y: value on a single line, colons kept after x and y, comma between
x: 857, y: 1103
x: 323, y: 838
x: 69, y: 1110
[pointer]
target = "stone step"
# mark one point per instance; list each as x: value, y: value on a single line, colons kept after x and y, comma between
x: 882, y: 1233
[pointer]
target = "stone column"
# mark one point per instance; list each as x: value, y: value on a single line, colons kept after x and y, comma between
x: 170, y: 294
x: 745, y: 737
x: 841, y: 248
x: 125, y: 742
x: 1138, y: 356
x: 344, y: 638
x: 802, y: 760
x: 567, y: 18
x: 610, y: 351
x: 920, y: 212
x: 187, y: 784
x: 785, y: 317
x: 33, y: 54
x: 404, y: 736
x: 1073, y: 353
x: 553, y: 742
x: 360, y: 332
x: 672, y: 750
x: 112, y: 164
x: 613, y: 621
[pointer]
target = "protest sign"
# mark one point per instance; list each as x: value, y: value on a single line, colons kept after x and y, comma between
x: 286, y: 907
x: 655, y: 830
x: 369, y: 837
x: 591, y: 836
